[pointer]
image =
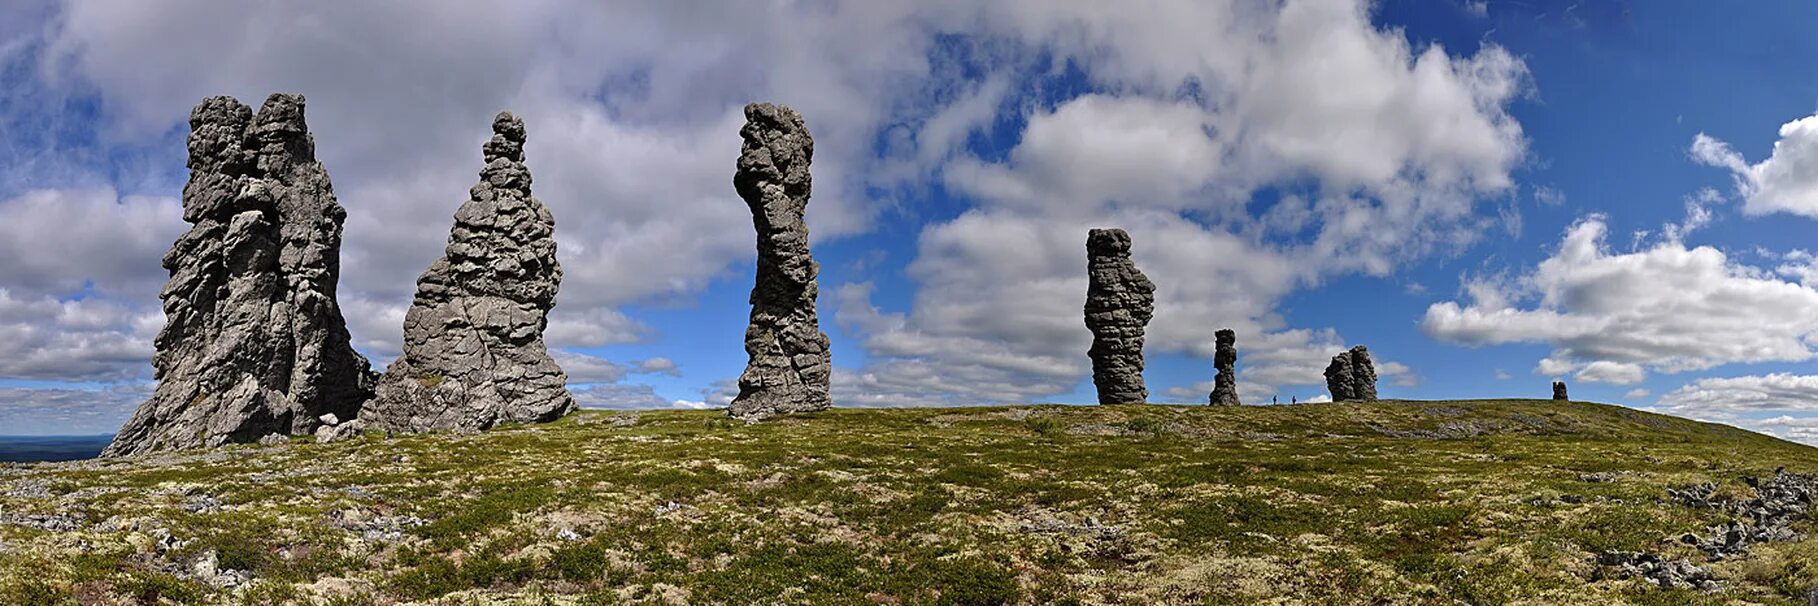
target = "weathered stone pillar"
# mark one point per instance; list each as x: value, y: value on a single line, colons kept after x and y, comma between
x: 1559, y: 390
x: 254, y: 343
x: 474, y: 355
x: 1224, y: 359
x: 790, y: 367
x: 1119, y: 302
x: 1352, y: 375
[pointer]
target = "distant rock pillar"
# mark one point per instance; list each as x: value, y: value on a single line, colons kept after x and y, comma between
x: 790, y: 367
x: 1559, y: 390
x: 253, y: 343
x: 474, y: 355
x: 1119, y: 302
x: 1352, y: 375
x: 1224, y: 359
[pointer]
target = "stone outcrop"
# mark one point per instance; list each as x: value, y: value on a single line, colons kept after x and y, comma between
x: 254, y: 343
x: 1119, y: 302
x: 1224, y: 359
x: 1352, y: 375
x: 474, y: 355
x: 1559, y: 390
x: 790, y: 368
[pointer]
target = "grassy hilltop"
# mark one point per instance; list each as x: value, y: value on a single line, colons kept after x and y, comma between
x: 1482, y: 502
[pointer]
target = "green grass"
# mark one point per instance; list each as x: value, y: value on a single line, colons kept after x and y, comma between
x: 1393, y: 502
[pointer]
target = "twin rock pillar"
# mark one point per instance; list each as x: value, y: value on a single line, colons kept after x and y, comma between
x: 1352, y: 375
x: 254, y: 343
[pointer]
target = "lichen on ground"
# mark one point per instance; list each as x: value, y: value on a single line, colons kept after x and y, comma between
x: 1486, y: 502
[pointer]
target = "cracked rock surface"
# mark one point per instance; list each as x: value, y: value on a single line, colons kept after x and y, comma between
x: 790, y: 367
x: 254, y: 343
x: 474, y: 355
x: 1119, y: 302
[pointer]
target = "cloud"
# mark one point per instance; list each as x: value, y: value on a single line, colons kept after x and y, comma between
x: 1610, y: 316
x: 1614, y: 373
x: 1746, y: 401
x: 62, y: 241
x: 42, y: 338
x: 659, y: 365
x: 1395, y: 170
x: 1787, y: 181
x: 618, y: 396
x: 633, y: 111
x: 92, y: 411
x: 1636, y: 394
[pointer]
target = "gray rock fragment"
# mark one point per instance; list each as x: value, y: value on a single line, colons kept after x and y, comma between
x: 1559, y: 390
x: 1119, y: 302
x: 1224, y: 386
x: 474, y: 355
x: 1352, y: 375
x: 790, y: 367
x: 1668, y: 574
x: 254, y: 343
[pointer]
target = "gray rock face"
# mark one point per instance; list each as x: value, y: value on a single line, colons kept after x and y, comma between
x: 1224, y: 386
x: 254, y: 343
x: 1119, y: 302
x: 1559, y: 390
x: 790, y: 367
x: 473, y: 339
x: 1352, y: 375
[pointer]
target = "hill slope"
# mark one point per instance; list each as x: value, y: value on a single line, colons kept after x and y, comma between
x: 1393, y: 502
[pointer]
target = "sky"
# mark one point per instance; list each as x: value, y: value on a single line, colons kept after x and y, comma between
x: 1490, y: 195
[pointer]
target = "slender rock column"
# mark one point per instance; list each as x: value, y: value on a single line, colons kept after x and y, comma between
x: 1224, y: 386
x: 474, y: 355
x: 790, y: 367
x: 254, y: 343
x: 1119, y: 302
x: 1559, y: 390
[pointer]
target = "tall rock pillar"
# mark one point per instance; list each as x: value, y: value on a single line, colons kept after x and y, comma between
x: 1119, y: 302
x: 790, y: 368
x: 1224, y: 386
x: 254, y: 343
x: 474, y: 355
x: 1559, y: 390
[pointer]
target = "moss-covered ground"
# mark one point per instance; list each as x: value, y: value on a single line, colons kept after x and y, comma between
x: 1480, y: 502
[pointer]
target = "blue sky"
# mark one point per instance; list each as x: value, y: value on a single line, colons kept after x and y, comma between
x: 1490, y: 195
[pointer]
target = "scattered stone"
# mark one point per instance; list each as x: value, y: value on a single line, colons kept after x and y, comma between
x: 567, y: 534
x: 1559, y: 390
x: 1224, y: 386
x: 790, y: 366
x: 1601, y: 477
x: 1668, y: 574
x: 374, y: 528
x: 1352, y: 375
x: 275, y: 439
x: 474, y: 354
x: 55, y: 522
x: 1119, y: 302
x: 344, y: 431
x: 29, y: 488
x: 254, y: 343
x: 1779, y: 501
x: 202, y: 504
